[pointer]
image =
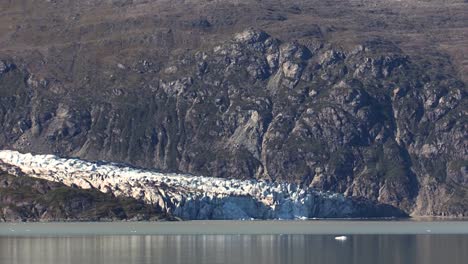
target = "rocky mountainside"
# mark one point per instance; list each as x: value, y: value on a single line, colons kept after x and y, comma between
x: 30, y: 199
x: 364, y: 99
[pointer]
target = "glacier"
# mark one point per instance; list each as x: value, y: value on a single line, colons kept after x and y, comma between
x: 194, y: 197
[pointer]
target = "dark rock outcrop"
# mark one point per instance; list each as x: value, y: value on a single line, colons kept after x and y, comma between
x: 30, y: 199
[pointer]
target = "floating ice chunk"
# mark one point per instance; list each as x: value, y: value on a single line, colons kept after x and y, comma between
x: 341, y: 238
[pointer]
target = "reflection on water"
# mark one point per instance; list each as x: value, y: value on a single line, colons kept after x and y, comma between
x: 269, y: 249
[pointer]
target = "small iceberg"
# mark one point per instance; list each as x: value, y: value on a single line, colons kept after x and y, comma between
x: 341, y: 238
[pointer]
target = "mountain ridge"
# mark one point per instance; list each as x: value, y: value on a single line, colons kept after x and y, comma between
x: 332, y: 98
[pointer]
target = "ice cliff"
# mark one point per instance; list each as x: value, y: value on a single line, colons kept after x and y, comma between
x: 194, y: 197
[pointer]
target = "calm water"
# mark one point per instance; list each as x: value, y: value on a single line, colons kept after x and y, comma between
x: 235, y: 242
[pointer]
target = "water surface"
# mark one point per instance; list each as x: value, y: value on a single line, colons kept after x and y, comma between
x: 198, y: 242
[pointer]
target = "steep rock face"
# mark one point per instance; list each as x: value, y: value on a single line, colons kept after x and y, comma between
x: 367, y: 122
